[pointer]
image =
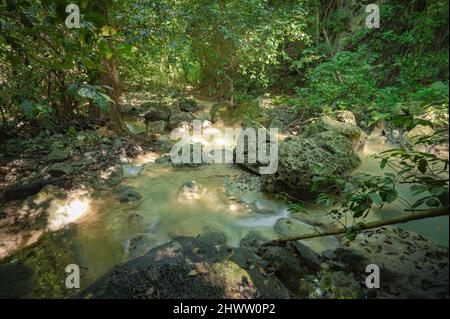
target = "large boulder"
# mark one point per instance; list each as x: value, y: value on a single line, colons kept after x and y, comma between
x: 156, y: 111
x: 139, y: 244
x: 188, y: 105
x: 301, y: 158
x: 411, y: 266
x: 157, y: 127
x: 344, y: 124
x: 187, y: 268
x: 412, y: 141
x: 180, y: 120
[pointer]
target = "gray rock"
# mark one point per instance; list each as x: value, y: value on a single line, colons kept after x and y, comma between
x: 184, y: 268
x: 344, y: 286
x: 128, y: 194
x: 300, y: 157
x: 264, y: 206
x: 188, y: 105
x: 286, y: 265
x: 355, y: 260
x: 139, y: 244
x: 213, y: 235
x: 411, y: 142
x: 156, y: 111
x: 129, y: 171
x: 180, y: 120
x: 346, y: 117
x: 157, y: 127
x: 307, y: 256
x: 60, y: 169
x: 253, y: 240
x: 290, y: 227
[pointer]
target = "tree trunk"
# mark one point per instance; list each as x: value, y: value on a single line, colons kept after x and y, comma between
x: 111, y: 78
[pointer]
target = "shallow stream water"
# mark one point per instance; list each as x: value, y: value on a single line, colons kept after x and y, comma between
x: 111, y: 232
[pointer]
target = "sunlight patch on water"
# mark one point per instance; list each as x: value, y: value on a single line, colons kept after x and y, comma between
x: 64, y: 215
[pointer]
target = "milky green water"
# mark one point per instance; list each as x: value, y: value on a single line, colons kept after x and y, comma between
x: 436, y: 229
x: 103, y: 234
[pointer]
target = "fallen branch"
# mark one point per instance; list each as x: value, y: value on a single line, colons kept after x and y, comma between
x: 361, y: 226
x: 19, y: 191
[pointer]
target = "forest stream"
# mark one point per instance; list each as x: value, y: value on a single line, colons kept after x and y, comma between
x: 224, y: 150
x: 111, y: 232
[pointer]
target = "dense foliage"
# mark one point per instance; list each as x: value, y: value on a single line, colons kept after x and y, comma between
x: 320, y: 49
x: 317, y: 53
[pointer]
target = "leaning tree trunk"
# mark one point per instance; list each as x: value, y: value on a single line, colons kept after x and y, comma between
x: 110, y: 78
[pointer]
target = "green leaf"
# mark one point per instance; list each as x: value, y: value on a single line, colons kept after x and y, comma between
x: 105, y: 49
x: 86, y: 93
x: 376, y: 198
x: 383, y: 163
x: 422, y: 167
x: 418, y: 203
x: 72, y: 131
x: 438, y: 190
x: 391, y: 196
x: 433, y: 202
x: 127, y: 49
x: 351, y: 233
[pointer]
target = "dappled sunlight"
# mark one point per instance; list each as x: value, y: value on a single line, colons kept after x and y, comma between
x: 148, y: 157
x: 66, y: 214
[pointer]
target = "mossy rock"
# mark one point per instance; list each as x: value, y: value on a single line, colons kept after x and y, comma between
x: 47, y: 259
x: 343, y: 127
x: 156, y: 111
x: 188, y: 268
x: 340, y: 285
x: 188, y: 105
x: 301, y: 158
